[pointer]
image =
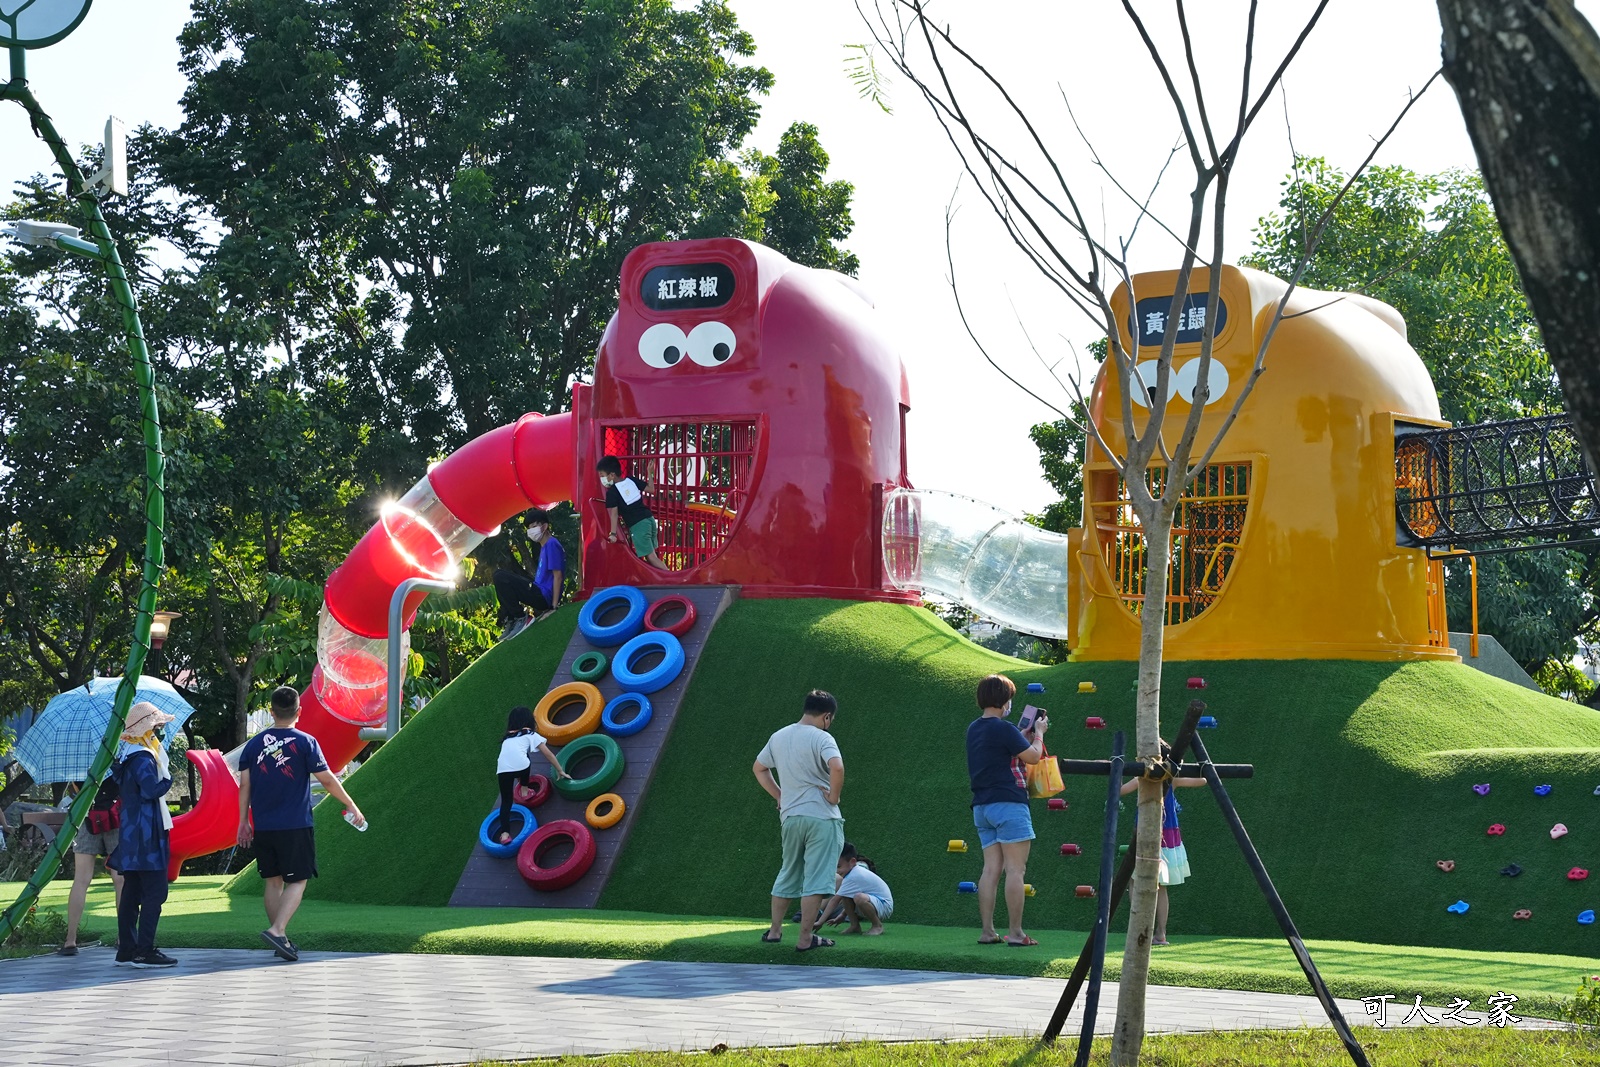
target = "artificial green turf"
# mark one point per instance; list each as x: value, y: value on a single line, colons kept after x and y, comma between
x: 200, y: 915
x: 1363, y: 781
x: 426, y: 791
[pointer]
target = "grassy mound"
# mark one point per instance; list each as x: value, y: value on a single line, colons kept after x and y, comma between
x: 1363, y: 781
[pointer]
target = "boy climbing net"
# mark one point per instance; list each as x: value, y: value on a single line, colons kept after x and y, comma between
x: 625, y: 504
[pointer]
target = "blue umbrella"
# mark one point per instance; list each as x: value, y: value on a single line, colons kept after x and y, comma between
x: 65, y: 736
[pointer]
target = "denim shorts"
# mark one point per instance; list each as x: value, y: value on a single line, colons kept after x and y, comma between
x: 1005, y: 823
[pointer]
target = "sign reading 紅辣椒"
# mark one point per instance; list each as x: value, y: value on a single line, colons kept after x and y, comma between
x: 685, y: 286
x: 1150, y: 319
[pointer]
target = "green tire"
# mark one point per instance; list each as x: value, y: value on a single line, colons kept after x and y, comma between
x: 590, y: 666
x: 601, y: 781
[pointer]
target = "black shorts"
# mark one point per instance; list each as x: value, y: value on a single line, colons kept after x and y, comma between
x: 287, y: 854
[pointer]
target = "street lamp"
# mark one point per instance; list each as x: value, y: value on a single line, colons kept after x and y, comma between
x: 161, y: 627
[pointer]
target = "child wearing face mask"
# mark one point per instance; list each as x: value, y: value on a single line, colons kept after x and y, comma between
x: 625, y: 504
x: 519, y: 594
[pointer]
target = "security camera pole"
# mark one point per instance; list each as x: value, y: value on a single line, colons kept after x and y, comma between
x: 37, y: 25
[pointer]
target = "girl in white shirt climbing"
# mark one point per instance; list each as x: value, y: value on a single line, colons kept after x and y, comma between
x: 516, y: 763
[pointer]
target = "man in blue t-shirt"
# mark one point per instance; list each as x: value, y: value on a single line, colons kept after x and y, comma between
x: 275, y: 771
x: 518, y: 593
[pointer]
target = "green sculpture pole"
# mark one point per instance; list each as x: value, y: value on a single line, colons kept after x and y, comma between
x: 104, y: 249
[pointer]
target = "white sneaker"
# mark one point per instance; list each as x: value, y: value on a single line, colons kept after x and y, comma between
x: 515, y: 627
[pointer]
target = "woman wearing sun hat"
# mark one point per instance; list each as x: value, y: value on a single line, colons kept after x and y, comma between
x: 143, y: 776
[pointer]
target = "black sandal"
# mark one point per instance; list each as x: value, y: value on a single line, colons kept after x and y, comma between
x: 768, y: 939
x: 816, y: 942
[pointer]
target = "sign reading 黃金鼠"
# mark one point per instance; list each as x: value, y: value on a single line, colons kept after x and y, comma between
x: 1150, y: 319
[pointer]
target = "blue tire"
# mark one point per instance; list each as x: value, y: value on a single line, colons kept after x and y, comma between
x: 656, y: 677
x: 606, y: 599
x: 641, y: 718
x: 486, y: 831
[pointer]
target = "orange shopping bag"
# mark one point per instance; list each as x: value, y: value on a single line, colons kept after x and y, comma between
x: 1044, y: 777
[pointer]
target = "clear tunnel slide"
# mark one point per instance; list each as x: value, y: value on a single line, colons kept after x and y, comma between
x: 998, y: 565
x: 424, y: 534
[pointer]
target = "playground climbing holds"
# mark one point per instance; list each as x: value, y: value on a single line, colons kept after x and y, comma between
x: 1558, y: 830
x: 956, y: 845
x: 604, y: 604
x: 1577, y: 874
x: 605, y: 811
x: 522, y: 824
x: 1094, y: 722
x: 1197, y: 683
x: 1481, y: 789
x: 1586, y: 917
x: 531, y: 857
x: 1084, y: 891
x: 536, y: 792
x: 1459, y: 907
x: 1522, y: 913
x: 1070, y: 849
x: 1542, y: 790
x: 612, y: 721
x: 1028, y: 890
x: 1597, y: 790
x: 1445, y: 865
x: 1038, y: 687
x: 563, y: 696
x: 626, y: 667
x: 1496, y: 830
x: 1086, y: 687
x: 1056, y: 804
x: 1511, y: 870
x: 589, y: 666
x: 1207, y: 722
x: 602, y: 779
x: 966, y: 887
x: 675, y: 615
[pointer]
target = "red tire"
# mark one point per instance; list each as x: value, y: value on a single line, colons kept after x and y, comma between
x: 531, y: 796
x: 568, y: 871
x: 664, y: 608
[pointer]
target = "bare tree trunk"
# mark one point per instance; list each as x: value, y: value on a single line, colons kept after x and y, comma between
x: 1128, y: 1037
x: 1527, y: 75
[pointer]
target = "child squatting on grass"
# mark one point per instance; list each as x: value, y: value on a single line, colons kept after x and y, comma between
x: 861, y: 894
x: 1174, y: 866
x: 516, y: 763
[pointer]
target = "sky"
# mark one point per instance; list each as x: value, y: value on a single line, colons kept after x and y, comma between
x: 969, y: 426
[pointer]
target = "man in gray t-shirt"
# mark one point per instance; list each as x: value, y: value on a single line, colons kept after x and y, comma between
x: 809, y: 779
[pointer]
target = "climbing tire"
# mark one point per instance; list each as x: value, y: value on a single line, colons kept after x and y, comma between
x: 536, y: 792
x: 486, y: 831
x: 663, y: 609
x: 605, y: 811
x: 632, y: 621
x: 619, y: 704
x: 601, y: 781
x: 569, y: 870
x: 589, y: 667
x: 585, y: 723
x: 657, y: 677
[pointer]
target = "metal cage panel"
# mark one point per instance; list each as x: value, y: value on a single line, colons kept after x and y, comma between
x: 699, y: 475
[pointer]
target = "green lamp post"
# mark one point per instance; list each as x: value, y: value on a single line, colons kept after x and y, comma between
x: 24, y: 25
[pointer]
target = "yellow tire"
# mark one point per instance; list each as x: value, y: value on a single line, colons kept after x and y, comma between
x: 613, y: 810
x: 562, y: 695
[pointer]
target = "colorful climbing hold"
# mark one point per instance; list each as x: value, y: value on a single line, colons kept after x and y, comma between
x: 1542, y: 790
x: 1197, y: 683
x: 1057, y: 804
x: 1070, y: 849
x: 966, y: 887
x: 1086, y: 687
x: 1577, y: 874
x: 1035, y: 687
x: 1445, y: 865
x: 1084, y: 891
x: 1207, y: 722
x: 1585, y: 917
x: 1511, y: 870
x: 1597, y: 790
x: 1028, y: 890
x: 1459, y: 907
x: 1094, y: 722
x: 1496, y: 830
x: 956, y: 845
x: 1522, y: 913
x: 1482, y: 790
x: 1558, y: 830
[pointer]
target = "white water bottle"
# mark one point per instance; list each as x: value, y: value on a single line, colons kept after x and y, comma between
x: 350, y: 817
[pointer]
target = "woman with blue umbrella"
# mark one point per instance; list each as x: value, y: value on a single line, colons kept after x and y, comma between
x: 143, y: 778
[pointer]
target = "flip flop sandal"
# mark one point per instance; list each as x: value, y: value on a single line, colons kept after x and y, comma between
x: 816, y: 942
x: 996, y: 941
x: 1026, y: 942
x: 769, y: 940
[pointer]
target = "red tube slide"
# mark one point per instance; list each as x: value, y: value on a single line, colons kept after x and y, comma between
x: 213, y: 823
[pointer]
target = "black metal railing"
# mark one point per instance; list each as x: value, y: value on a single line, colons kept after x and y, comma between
x: 1496, y: 483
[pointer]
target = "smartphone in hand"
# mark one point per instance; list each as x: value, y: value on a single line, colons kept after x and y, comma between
x: 1029, y: 714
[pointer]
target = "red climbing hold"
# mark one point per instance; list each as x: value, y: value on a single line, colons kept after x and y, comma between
x: 1057, y: 804
x: 1496, y: 830
x: 1197, y: 683
x: 1085, y: 891
x: 1445, y: 865
x: 1094, y: 722
x: 1577, y: 874
x: 1070, y: 849
x: 1522, y: 913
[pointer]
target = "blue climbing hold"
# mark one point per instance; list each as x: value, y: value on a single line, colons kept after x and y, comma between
x: 1035, y: 687
x: 1459, y: 907
x: 1207, y: 722
x: 966, y: 887
x: 1511, y: 870
x: 1542, y: 790
x: 1585, y: 918
x: 1597, y: 790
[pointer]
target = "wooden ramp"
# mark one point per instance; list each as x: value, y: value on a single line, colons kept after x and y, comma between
x: 493, y: 882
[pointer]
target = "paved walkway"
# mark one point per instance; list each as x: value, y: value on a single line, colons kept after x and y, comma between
x: 373, y: 1010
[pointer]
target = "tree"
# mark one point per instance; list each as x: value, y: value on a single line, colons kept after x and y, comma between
x: 809, y: 215
x: 1527, y: 76
x: 1430, y: 246
x: 1040, y: 200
